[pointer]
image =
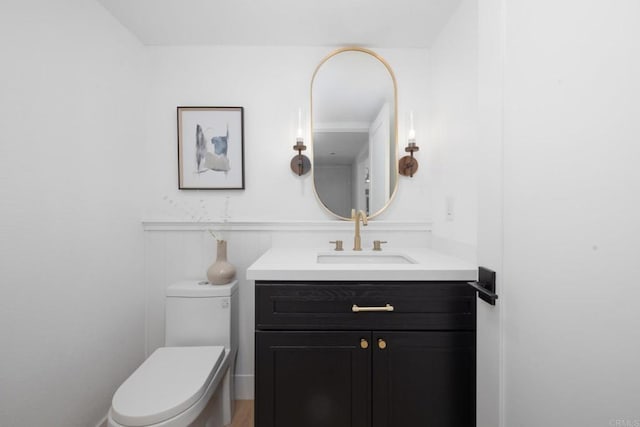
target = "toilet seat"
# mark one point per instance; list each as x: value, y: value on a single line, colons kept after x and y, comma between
x: 169, y: 382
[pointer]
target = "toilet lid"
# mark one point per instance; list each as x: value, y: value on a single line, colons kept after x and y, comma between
x: 167, y: 383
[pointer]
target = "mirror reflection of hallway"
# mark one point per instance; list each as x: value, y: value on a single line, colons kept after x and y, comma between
x: 354, y: 132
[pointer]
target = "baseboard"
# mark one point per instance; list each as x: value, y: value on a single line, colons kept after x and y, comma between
x: 244, y: 387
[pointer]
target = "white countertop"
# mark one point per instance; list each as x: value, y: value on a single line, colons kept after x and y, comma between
x: 291, y: 264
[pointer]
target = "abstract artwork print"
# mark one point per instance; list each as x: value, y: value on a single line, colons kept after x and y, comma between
x: 211, y: 148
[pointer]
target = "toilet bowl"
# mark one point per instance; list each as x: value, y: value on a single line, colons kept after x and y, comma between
x: 189, y: 382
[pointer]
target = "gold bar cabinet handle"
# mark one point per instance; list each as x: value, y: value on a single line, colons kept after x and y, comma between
x: 357, y: 309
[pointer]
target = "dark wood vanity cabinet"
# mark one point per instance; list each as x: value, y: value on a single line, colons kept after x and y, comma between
x: 320, y: 364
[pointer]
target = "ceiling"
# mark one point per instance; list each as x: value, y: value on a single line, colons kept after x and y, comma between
x: 338, y: 148
x: 350, y: 86
x: 379, y: 23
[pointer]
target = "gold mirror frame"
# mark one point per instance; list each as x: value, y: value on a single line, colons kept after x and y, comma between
x: 395, y: 133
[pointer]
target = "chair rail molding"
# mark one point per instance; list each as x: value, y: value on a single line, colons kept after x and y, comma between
x: 256, y: 225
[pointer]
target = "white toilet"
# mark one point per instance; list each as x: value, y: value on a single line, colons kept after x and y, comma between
x: 189, y: 382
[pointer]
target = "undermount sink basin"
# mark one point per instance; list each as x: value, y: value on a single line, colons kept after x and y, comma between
x: 368, y: 258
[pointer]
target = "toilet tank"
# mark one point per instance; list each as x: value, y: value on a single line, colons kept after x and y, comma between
x: 202, y: 314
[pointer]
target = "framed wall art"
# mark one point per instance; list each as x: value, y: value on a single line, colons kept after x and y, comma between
x: 211, y: 148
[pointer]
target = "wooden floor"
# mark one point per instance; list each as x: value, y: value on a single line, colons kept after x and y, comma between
x: 243, y: 416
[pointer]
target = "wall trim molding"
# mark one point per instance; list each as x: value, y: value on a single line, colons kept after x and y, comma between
x: 247, y: 225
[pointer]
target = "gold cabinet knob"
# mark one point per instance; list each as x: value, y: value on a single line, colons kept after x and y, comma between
x: 382, y: 344
x: 364, y: 344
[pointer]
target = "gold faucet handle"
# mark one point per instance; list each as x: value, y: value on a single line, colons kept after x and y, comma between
x: 338, y: 244
x: 363, y: 216
x: 377, y: 243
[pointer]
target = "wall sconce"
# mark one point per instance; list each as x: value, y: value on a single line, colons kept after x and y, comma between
x: 407, y: 165
x: 300, y: 163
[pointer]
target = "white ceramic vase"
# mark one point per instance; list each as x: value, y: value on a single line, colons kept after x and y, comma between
x: 221, y: 271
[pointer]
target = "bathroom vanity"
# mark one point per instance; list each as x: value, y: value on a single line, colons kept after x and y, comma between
x: 364, y: 339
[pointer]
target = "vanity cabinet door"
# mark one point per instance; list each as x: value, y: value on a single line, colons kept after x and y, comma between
x: 313, y: 379
x: 423, y: 379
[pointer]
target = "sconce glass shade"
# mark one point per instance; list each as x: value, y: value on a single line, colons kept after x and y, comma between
x: 408, y: 165
x: 300, y: 164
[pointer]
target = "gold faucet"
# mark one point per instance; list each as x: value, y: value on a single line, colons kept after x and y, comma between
x: 357, y: 217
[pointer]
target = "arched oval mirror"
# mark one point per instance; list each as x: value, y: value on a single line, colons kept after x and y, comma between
x: 354, y: 132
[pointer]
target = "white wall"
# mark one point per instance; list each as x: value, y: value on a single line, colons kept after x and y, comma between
x: 271, y: 83
x: 451, y: 142
x: 572, y: 203
x: 72, y: 302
